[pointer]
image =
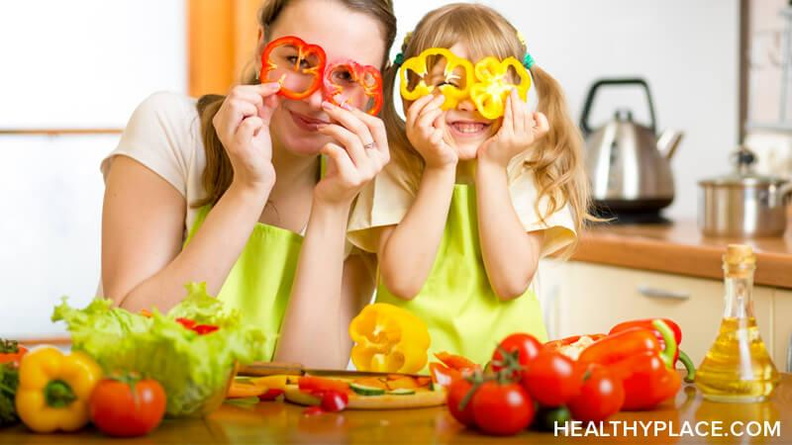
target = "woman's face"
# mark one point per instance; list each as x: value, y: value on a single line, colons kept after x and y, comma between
x: 344, y: 34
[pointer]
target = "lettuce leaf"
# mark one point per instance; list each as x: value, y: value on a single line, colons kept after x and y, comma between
x: 194, y: 369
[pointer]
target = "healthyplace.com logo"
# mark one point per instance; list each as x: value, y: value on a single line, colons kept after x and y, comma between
x: 646, y: 428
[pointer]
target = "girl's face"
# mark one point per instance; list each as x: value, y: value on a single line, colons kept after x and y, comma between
x: 468, y: 128
x: 344, y: 34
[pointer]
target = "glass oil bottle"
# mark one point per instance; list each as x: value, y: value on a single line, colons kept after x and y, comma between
x: 737, y: 367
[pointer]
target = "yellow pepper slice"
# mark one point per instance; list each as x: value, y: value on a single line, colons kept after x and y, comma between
x: 453, y: 87
x: 54, y: 389
x: 389, y: 339
x: 493, y: 85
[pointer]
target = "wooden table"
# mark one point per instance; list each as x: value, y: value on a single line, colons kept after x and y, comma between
x: 280, y: 423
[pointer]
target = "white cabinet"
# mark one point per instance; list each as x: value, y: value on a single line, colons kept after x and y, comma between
x: 589, y: 298
x: 782, y: 329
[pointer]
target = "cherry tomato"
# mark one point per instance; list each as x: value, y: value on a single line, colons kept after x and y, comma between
x: 456, y: 394
x: 552, y: 378
x: 334, y: 401
x: 502, y: 410
x: 526, y: 346
x: 127, y: 406
x: 601, y: 396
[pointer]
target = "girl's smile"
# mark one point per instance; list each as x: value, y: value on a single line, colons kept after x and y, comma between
x: 305, y: 122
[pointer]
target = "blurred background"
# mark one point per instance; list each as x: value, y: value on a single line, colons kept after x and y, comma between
x: 74, y: 71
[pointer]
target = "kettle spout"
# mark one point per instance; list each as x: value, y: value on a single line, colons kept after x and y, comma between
x: 668, y: 142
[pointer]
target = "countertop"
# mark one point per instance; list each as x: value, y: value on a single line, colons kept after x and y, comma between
x: 280, y: 423
x: 680, y: 248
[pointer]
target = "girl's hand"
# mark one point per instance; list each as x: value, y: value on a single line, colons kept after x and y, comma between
x: 242, y: 124
x: 359, y: 153
x: 519, y: 130
x: 426, y: 131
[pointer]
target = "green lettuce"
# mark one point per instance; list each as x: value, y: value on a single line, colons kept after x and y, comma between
x: 193, y: 369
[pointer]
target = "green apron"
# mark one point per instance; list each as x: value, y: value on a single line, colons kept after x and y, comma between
x: 260, y: 282
x: 457, y: 302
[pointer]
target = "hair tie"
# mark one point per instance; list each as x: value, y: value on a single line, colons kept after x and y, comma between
x: 528, y: 61
x: 398, y: 60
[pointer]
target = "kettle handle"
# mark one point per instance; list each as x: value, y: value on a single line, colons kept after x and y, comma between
x: 626, y: 81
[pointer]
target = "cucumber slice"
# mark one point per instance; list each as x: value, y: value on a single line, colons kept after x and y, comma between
x: 364, y: 390
x: 402, y: 392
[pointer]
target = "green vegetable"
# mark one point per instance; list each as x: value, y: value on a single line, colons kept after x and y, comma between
x: 546, y: 418
x: 402, y: 392
x: 364, y: 390
x: 194, y: 369
x: 9, y: 381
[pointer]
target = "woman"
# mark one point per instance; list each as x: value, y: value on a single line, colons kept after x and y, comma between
x: 221, y: 191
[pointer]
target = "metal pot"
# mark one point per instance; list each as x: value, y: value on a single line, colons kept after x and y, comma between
x: 743, y: 203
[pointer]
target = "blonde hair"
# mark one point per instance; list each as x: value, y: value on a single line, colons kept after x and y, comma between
x: 556, y: 160
x: 218, y: 173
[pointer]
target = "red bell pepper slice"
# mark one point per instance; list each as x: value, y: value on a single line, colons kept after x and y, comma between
x: 462, y: 364
x: 443, y: 375
x: 271, y: 394
x: 568, y: 341
x: 314, y: 385
x: 648, y: 324
x: 303, y: 52
x: 349, y: 78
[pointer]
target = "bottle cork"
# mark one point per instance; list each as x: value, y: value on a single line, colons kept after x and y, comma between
x: 738, y: 260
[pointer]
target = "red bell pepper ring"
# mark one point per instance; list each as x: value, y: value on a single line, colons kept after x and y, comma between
x: 443, y: 375
x: 648, y: 324
x: 347, y: 77
x: 303, y: 52
x: 457, y: 362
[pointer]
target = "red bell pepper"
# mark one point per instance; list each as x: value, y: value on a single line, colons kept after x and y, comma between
x: 462, y: 364
x: 443, y: 375
x: 318, y: 385
x: 646, y: 371
x: 340, y: 77
x: 303, y: 52
x: 555, y: 345
x: 680, y: 355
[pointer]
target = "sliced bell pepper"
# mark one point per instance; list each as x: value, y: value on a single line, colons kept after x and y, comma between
x: 647, y: 323
x: 353, y: 79
x: 442, y: 374
x: 303, y: 52
x: 389, y: 339
x: 449, y: 86
x: 458, y: 362
x: 318, y: 385
x: 621, y: 345
x: 493, y: 85
x: 54, y: 389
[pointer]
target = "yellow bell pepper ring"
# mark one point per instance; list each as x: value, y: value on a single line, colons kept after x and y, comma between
x: 389, y: 339
x: 454, y: 87
x: 54, y: 389
x: 493, y: 85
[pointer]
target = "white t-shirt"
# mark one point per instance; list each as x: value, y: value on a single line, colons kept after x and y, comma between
x: 164, y: 134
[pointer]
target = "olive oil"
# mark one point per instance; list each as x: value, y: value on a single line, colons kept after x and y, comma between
x: 737, y: 368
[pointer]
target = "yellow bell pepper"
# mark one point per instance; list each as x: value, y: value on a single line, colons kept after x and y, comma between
x: 54, y: 389
x: 389, y: 339
x: 493, y: 85
x: 454, y: 87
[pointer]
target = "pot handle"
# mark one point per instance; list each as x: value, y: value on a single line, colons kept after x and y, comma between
x: 627, y: 81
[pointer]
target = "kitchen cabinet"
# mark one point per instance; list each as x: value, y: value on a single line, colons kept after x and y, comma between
x: 582, y: 297
x: 782, y: 329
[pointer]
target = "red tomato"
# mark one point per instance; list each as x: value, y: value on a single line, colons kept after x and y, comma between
x: 526, y: 345
x: 456, y: 394
x: 552, y: 378
x: 127, y: 407
x: 334, y: 401
x: 601, y: 396
x: 502, y: 410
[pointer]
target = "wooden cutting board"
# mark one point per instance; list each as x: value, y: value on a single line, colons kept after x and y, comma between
x: 421, y: 399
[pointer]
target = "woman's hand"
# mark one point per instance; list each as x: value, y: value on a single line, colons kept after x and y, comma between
x: 426, y: 131
x: 519, y: 130
x: 359, y: 152
x: 242, y: 124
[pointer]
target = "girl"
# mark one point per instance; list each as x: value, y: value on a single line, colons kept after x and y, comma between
x: 470, y: 204
x: 238, y: 179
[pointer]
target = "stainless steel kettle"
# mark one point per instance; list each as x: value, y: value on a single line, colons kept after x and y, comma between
x: 627, y: 164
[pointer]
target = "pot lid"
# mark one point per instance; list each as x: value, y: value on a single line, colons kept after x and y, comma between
x: 743, y: 175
